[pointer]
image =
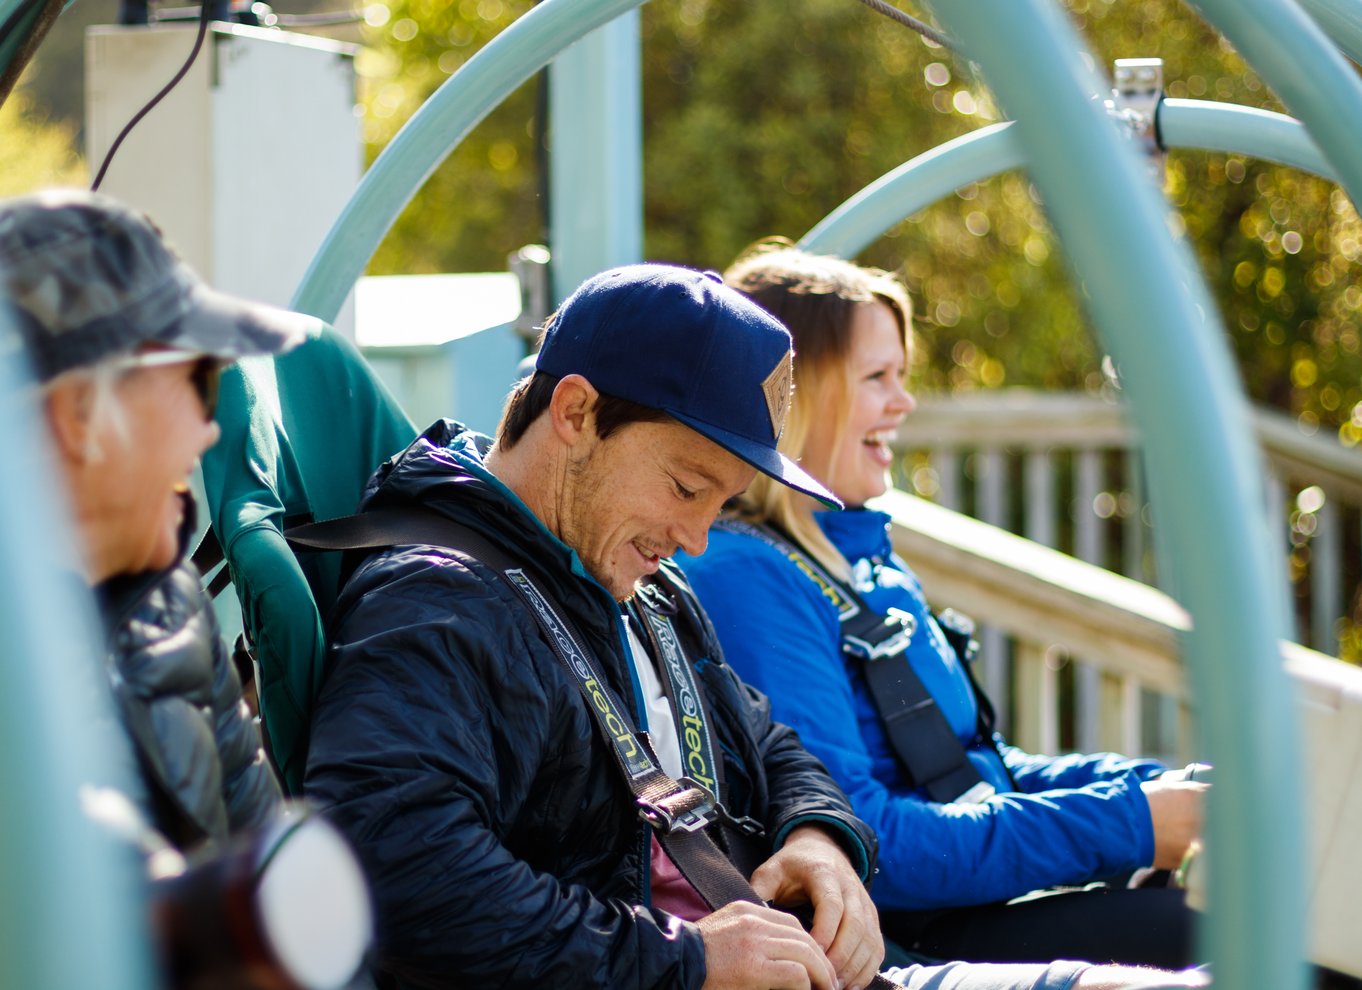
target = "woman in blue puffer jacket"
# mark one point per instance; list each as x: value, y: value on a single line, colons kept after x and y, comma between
x: 976, y: 878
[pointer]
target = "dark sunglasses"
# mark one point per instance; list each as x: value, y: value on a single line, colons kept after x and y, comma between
x: 204, y: 376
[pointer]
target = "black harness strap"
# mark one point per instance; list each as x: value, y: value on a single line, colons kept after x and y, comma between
x: 652, y: 610
x: 412, y: 525
x: 208, y: 554
x: 680, y: 812
x: 922, y: 739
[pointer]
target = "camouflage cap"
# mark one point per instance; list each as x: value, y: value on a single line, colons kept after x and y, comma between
x: 88, y: 279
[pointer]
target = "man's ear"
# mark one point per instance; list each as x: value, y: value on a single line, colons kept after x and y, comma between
x: 68, y: 404
x: 572, y: 410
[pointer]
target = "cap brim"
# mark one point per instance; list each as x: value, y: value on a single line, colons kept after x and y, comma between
x: 227, y: 327
x: 764, y: 459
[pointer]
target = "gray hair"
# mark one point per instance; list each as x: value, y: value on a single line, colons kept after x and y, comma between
x: 106, y: 407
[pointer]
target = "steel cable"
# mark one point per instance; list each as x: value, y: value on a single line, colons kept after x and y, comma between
x: 909, y: 21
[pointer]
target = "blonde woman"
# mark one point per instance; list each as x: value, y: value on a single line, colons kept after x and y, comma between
x: 974, y: 823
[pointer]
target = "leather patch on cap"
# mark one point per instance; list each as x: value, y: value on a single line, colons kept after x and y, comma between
x: 777, y: 388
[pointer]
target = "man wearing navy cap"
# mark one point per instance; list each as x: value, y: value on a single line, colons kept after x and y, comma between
x: 490, y: 764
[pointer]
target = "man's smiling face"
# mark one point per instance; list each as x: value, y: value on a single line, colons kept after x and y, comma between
x: 639, y: 495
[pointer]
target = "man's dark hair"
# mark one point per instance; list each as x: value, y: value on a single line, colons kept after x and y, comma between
x: 531, y: 396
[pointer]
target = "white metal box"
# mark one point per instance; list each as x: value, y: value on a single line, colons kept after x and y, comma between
x: 247, y: 163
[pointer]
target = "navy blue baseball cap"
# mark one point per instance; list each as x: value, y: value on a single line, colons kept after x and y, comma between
x: 683, y: 342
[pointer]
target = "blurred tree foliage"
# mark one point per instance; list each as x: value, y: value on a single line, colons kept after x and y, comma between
x: 760, y: 118
x: 35, y: 152
x: 484, y: 201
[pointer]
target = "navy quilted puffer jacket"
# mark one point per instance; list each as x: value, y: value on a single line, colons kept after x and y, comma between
x: 462, y: 761
x: 197, y: 746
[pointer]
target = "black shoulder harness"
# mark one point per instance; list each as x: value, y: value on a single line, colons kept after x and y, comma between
x: 924, y: 742
x: 683, y: 813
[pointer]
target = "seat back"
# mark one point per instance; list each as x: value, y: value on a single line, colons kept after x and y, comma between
x: 300, y: 436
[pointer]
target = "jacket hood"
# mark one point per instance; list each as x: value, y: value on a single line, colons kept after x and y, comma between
x: 443, y: 469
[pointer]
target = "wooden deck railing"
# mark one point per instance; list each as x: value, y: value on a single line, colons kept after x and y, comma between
x: 1064, y: 470
x: 1057, y: 612
x: 1052, y: 607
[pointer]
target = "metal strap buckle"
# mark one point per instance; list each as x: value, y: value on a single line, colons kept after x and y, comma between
x: 890, y: 643
x: 959, y: 631
x: 688, y: 810
x: 692, y: 809
x: 745, y: 825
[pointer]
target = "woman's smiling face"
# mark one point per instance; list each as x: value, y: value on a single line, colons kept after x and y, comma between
x: 850, y: 452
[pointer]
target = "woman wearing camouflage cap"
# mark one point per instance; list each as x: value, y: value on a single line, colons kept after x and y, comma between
x: 126, y: 344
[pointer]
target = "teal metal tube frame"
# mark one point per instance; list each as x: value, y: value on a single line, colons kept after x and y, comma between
x: 1150, y: 306
x: 1224, y: 127
x: 596, y: 155
x: 1341, y: 21
x: 443, y: 121
x: 1148, y: 301
x: 12, y: 44
x: 870, y: 213
x: 73, y: 906
x: 1293, y: 55
x: 915, y: 184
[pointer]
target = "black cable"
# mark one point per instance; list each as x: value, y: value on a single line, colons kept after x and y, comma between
x: 907, y: 20
x: 151, y: 104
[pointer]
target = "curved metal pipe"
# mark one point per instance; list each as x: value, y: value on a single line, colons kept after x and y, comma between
x: 1341, y: 21
x: 865, y: 217
x: 1150, y: 305
x: 1298, y: 60
x: 433, y: 132
x: 1224, y: 127
x: 917, y: 183
x: 74, y: 897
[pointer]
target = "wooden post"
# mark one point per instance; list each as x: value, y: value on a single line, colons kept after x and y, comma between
x: 1037, y: 700
x: 1326, y: 579
x: 946, y: 462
